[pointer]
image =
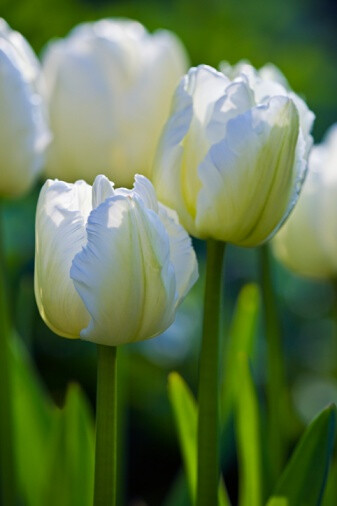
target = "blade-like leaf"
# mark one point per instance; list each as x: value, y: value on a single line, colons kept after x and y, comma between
x: 185, y: 413
x: 33, y: 419
x: 278, y: 501
x: 178, y: 495
x: 71, y: 466
x: 240, y: 340
x: 330, y: 494
x: 303, y: 480
x: 248, y: 437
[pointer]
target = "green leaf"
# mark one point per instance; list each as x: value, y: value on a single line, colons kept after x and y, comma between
x: 330, y: 494
x: 178, y: 494
x: 186, y: 413
x: 303, y: 480
x: 278, y: 501
x: 33, y: 419
x: 71, y: 466
x: 240, y: 340
x: 247, y: 423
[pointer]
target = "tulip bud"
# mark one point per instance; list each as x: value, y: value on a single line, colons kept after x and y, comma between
x: 111, y: 266
x: 307, y: 243
x: 23, y: 131
x: 109, y: 89
x: 232, y: 156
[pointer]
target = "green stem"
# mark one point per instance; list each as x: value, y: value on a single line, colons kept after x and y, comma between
x: 106, y: 427
x: 275, y: 370
x: 7, y: 467
x: 208, y: 421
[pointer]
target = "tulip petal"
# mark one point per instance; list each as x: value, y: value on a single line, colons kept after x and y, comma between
x: 144, y: 189
x: 175, y: 164
x: 124, y: 274
x: 78, y: 90
x: 307, y: 242
x: 237, y: 99
x: 60, y: 234
x: 168, y: 160
x: 182, y: 254
x: 247, y: 178
x: 23, y: 132
x: 101, y: 190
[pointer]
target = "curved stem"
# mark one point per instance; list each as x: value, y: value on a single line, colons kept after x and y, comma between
x: 7, y: 467
x: 106, y: 427
x: 208, y: 420
x: 275, y: 369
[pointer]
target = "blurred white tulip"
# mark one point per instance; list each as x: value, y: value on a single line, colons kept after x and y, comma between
x: 232, y: 157
x: 109, y: 89
x: 307, y: 243
x: 23, y: 130
x: 111, y: 266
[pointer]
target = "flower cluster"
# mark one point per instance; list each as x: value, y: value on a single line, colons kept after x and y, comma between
x: 218, y: 154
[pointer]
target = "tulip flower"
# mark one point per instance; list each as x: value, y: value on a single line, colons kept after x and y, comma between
x: 307, y: 243
x: 111, y: 265
x: 109, y: 86
x: 231, y: 161
x: 232, y: 157
x: 23, y: 131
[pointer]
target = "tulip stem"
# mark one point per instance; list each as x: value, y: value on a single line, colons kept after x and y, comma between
x: 7, y: 467
x: 208, y: 421
x: 106, y: 427
x: 275, y: 370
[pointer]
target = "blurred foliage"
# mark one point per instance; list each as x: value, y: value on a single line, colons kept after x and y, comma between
x: 299, y: 37
x: 54, y: 447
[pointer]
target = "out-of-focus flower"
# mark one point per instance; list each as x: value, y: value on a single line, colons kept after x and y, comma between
x: 232, y: 157
x: 111, y: 265
x: 23, y: 131
x: 307, y: 243
x: 109, y: 90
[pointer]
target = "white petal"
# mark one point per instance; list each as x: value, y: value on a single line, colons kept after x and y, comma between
x: 182, y: 254
x: 185, y: 141
x: 307, y: 242
x: 124, y: 274
x: 146, y: 192
x: 60, y: 234
x: 101, y: 190
x: 81, y: 112
x: 169, y: 157
x: 237, y: 99
x: 248, y: 177
x: 206, y: 86
x: 23, y: 132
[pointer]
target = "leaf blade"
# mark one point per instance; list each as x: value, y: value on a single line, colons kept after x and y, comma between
x: 304, y: 478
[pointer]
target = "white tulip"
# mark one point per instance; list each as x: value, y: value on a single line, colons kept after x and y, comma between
x: 109, y: 89
x: 111, y: 266
x: 307, y: 243
x: 23, y: 131
x: 232, y: 157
